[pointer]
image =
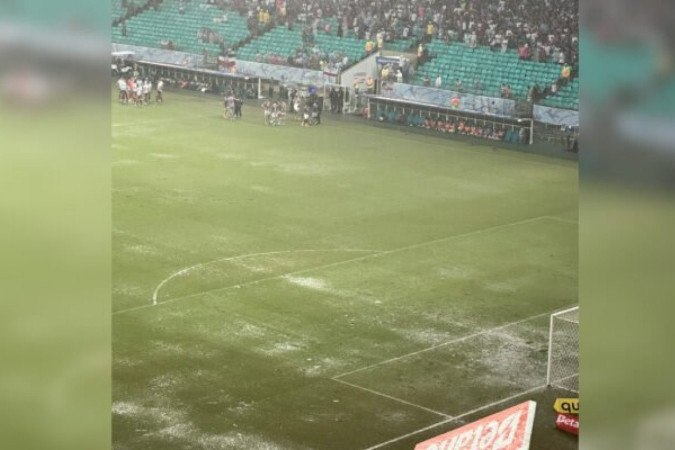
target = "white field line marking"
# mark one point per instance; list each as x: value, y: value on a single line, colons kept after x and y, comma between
x: 405, y: 402
x: 568, y: 377
x: 556, y: 384
x: 442, y: 344
x: 234, y: 258
x: 560, y: 219
x: 454, y: 341
x: 229, y: 258
x: 566, y: 311
x: 347, y: 261
x: 456, y: 418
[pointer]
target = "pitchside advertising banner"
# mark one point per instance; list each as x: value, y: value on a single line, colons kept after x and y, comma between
x: 566, y: 405
x: 555, y: 116
x: 238, y: 67
x: 506, y: 430
x: 567, y: 418
x: 568, y: 422
x: 383, y: 60
x: 443, y: 98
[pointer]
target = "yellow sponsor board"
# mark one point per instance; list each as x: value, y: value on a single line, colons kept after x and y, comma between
x: 566, y: 406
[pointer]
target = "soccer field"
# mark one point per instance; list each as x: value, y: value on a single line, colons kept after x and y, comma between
x: 335, y: 287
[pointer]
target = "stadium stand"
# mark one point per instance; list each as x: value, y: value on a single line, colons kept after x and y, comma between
x: 477, y: 42
x: 483, y: 72
x: 118, y: 11
x: 393, y: 35
x: 283, y: 46
x: 567, y: 97
x: 195, y: 28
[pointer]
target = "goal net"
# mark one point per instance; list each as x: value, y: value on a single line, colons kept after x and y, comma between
x: 563, y: 350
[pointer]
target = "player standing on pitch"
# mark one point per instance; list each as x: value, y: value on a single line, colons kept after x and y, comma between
x: 160, y: 89
x: 228, y: 112
x: 122, y: 86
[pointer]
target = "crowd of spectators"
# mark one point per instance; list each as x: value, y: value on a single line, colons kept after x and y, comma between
x: 308, y: 57
x: 540, y: 29
x: 400, y: 72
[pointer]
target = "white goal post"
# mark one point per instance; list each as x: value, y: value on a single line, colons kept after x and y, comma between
x: 563, y: 350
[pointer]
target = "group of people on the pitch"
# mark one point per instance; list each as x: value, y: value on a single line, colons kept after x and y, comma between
x: 309, y: 111
x: 138, y: 91
x: 274, y: 111
x: 232, y: 106
x: 311, y: 114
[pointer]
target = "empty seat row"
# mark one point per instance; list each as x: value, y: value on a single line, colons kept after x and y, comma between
x: 483, y: 72
x: 184, y: 29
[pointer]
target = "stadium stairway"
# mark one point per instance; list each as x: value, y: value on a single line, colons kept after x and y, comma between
x: 567, y: 96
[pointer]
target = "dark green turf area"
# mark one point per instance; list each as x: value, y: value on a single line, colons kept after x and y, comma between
x: 333, y: 287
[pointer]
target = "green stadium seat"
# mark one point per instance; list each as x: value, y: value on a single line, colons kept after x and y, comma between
x: 456, y: 60
x: 151, y: 27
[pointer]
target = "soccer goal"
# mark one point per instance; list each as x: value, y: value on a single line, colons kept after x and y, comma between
x: 563, y: 350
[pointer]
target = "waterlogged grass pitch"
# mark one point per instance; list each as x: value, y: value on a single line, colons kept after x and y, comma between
x: 333, y: 287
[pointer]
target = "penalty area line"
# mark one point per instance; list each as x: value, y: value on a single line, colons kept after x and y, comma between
x: 456, y: 418
x: 443, y: 344
x: 396, y: 399
x: 563, y: 220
